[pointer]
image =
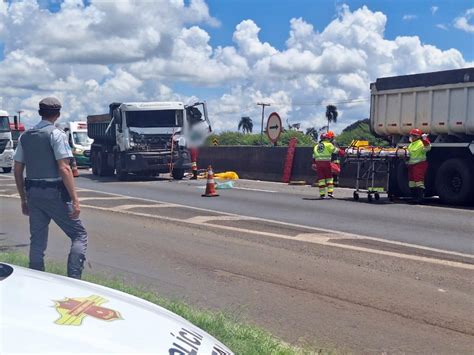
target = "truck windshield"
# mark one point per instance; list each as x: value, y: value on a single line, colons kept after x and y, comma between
x: 81, y: 138
x: 157, y: 118
x: 4, y: 124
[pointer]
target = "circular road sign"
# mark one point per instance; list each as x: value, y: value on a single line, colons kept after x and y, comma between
x: 274, y: 127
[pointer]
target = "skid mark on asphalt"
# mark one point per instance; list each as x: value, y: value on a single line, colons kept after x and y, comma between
x: 211, y: 219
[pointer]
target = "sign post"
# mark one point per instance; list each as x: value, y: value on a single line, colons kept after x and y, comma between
x: 274, y: 127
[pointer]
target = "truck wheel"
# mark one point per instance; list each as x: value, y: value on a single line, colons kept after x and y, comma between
x: 7, y: 170
x: 455, y: 182
x: 94, y: 163
x: 121, y: 174
x: 178, y: 174
x: 402, y: 180
x: 102, y: 168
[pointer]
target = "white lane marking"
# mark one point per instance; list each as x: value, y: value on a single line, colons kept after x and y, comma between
x: 4, y: 185
x: 317, y: 239
x: 101, y: 198
x: 441, y: 290
x: 204, y: 219
x: 317, y: 230
x: 127, y: 207
x: 249, y: 189
x: 237, y: 188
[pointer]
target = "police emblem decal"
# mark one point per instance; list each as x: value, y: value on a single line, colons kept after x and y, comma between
x: 73, y: 310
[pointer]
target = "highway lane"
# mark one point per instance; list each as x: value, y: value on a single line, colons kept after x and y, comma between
x: 321, y: 296
x: 431, y: 226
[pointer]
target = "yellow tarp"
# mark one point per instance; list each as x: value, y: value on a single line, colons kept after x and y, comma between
x: 228, y: 175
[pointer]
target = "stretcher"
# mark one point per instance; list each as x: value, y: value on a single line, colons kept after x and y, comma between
x: 373, y: 165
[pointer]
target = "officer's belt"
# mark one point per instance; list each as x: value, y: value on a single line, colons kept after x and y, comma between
x: 43, y: 184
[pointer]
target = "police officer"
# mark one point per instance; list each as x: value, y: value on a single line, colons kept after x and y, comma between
x: 48, y: 191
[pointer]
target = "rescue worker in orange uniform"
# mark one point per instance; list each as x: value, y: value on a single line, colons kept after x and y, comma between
x: 417, y: 164
x: 322, y: 154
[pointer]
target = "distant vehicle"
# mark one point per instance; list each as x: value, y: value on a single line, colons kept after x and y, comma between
x: 46, y: 313
x: 78, y: 140
x: 6, y: 143
x: 17, y: 130
x: 146, y: 138
x: 441, y: 104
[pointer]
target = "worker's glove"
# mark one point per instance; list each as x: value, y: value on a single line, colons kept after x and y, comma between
x: 341, y: 152
x: 425, y: 139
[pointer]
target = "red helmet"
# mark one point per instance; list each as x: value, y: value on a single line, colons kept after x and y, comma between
x: 416, y: 132
x: 323, y: 136
x: 330, y: 134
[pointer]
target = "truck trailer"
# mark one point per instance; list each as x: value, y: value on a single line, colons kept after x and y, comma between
x: 440, y: 104
x: 145, y: 138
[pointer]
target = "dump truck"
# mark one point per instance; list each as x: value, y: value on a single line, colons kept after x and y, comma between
x: 440, y: 104
x: 146, y: 138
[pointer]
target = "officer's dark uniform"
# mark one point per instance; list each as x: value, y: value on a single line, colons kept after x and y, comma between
x: 39, y: 149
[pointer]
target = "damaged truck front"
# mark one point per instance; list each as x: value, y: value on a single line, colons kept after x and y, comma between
x: 143, y: 138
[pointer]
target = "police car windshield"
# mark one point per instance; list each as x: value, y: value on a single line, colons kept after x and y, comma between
x: 156, y: 118
x: 4, y: 124
x: 5, y: 271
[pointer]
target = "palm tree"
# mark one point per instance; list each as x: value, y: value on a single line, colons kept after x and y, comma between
x: 331, y: 114
x: 246, y: 125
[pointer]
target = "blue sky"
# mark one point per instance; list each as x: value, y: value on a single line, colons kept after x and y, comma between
x: 231, y: 53
x: 273, y: 17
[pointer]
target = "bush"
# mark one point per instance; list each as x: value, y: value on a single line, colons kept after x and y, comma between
x: 359, y: 130
x: 237, y: 138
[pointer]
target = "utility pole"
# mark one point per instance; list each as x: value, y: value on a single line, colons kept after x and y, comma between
x: 263, y: 115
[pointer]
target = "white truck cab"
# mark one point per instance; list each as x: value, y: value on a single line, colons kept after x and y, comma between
x: 6, y: 143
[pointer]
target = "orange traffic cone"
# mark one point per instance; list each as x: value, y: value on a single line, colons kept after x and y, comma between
x: 210, y: 186
x: 75, y: 171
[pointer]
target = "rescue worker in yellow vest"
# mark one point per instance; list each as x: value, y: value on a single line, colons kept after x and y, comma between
x: 322, y: 154
x: 417, y: 164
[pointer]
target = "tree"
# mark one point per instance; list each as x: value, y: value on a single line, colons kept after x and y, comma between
x: 331, y: 114
x: 246, y: 125
x: 312, y: 132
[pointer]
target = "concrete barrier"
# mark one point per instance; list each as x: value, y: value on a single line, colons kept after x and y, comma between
x: 266, y: 163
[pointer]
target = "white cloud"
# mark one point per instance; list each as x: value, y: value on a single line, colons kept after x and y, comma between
x: 464, y: 22
x: 409, y: 17
x: 88, y: 58
x: 442, y: 26
x: 434, y: 9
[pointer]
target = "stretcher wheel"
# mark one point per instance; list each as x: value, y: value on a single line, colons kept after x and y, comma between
x: 355, y: 195
x: 377, y: 196
x: 369, y: 197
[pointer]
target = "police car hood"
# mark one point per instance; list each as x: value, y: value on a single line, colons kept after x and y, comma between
x: 45, y: 313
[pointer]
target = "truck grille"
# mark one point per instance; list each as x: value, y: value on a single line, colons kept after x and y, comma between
x: 87, y: 153
x: 3, y: 144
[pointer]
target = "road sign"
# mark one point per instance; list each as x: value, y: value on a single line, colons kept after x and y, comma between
x: 273, y: 127
x: 215, y: 142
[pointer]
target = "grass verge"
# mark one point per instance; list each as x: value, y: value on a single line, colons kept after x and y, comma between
x: 241, y: 338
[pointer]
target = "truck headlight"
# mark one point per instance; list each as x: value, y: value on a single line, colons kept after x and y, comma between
x: 133, y: 157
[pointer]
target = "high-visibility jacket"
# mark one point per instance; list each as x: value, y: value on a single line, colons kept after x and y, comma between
x: 418, y: 150
x: 324, y: 150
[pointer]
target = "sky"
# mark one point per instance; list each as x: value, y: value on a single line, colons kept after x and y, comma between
x: 298, y: 55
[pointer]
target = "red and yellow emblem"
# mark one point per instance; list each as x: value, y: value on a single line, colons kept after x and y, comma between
x: 74, y: 310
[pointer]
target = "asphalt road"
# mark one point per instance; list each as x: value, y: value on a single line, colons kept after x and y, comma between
x: 431, y: 226
x: 306, y: 285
